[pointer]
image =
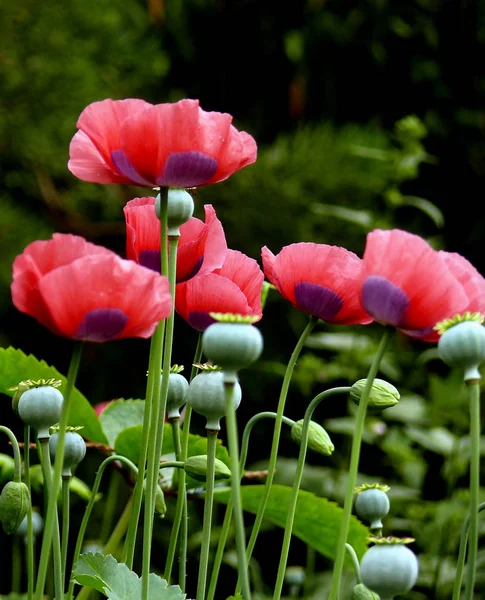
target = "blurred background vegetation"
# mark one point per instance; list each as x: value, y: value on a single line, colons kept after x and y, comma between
x: 366, y: 116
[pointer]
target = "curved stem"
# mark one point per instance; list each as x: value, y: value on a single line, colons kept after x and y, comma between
x: 474, y: 395
x: 89, y: 508
x: 51, y: 516
x: 355, y: 561
x: 207, y: 523
x: 276, y: 434
x: 227, y: 517
x: 17, y: 457
x: 290, y: 517
x: 461, y: 555
x: 354, y: 466
x: 65, y: 524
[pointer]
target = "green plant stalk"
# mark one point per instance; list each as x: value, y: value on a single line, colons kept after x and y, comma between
x: 354, y: 465
x: 17, y: 457
x: 232, y: 442
x: 16, y: 565
x: 111, y: 504
x: 56, y: 540
x: 177, y: 444
x: 474, y: 395
x: 180, y: 518
x: 290, y: 516
x: 160, y: 392
x: 29, y: 556
x: 208, y: 507
x: 65, y: 525
x: 276, y: 435
x: 355, y: 561
x: 152, y: 400
x: 51, y: 517
x: 89, y: 508
x: 228, y: 514
x: 309, y: 581
x: 461, y: 555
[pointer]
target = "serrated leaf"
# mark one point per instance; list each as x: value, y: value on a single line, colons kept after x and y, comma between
x: 317, y: 520
x: 120, y: 414
x: 104, y: 574
x: 16, y: 366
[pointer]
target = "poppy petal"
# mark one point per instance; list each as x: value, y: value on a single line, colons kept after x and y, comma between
x: 87, y: 164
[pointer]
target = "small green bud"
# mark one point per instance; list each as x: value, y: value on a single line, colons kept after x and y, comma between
x: 361, y: 592
x: 14, y: 504
x: 160, y: 506
x: 382, y: 395
x: 318, y: 438
x: 196, y: 467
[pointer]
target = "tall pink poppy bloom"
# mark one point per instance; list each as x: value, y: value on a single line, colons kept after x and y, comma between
x: 318, y: 279
x: 85, y: 292
x: 408, y: 284
x: 170, y: 145
x: 234, y: 288
x: 472, y: 281
x: 201, y: 248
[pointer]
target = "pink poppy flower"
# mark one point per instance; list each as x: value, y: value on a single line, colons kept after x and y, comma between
x: 234, y: 288
x: 85, y: 292
x: 170, y: 145
x: 472, y: 282
x: 318, y: 279
x: 408, y: 284
x: 201, y: 248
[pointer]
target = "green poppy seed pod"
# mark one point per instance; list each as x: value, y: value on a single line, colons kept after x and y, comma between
x: 177, y: 394
x: 40, y: 407
x: 206, y: 395
x: 318, y: 438
x: 179, y: 209
x: 361, y: 592
x: 382, y: 395
x: 74, y: 450
x: 371, y: 505
x: 389, y: 569
x: 160, y: 506
x: 232, y: 346
x: 37, y: 525
x: 14, y: 504
x: 196, y: 467
x: 463, y: 345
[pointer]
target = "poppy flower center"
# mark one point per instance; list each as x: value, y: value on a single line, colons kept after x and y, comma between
x: 317, y: 300
x: 200, y: 320
x: 193, y: 271
x: 187, y: 169
x: 384, y: 301
x: 150, y: 259
x: 101, y: 325
x: 124, y: 167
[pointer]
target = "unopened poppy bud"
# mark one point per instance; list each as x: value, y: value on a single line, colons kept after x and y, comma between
x: 318, y: 438
x: 361, y: 592
x: 160, y: 506
x: 14, y: 504
x: 196, y: 467
x: 382, y: 395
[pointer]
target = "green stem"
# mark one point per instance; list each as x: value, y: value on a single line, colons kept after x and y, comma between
x: 17, y: 457
x: 276, y: 435
x: 16, y: 565
x: 51, y: 516
x: 232, y: 442
x: 461, y: 555
x: 65, y: 523
x: 89, y: 508
x: 354, y: 466
x: 290, y: 515
x: 160, y: 392
x: 309, y: 581
x: 474, y: 394
x: 120, y: 529
x: 208, y: 506
x: 55, y: 538
x: 30, y: 536
x: 227, y: 517
x: 111, y: 504
x: 355, y: 561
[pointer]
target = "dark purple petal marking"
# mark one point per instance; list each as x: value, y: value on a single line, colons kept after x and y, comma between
x: 200, y: 320
x: 419, y: 333
x: 317, y: 300
x: 101, y: 325
x: 187, y: 169
x: 384, y: 301
x: 125, y: 168
x: 151, y: 260
x: 195, y: 270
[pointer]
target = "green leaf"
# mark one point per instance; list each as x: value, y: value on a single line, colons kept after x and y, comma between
x: 16, y: 366
x: 117, y: 582
x: 317, y: 520
x: 119, y: 415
